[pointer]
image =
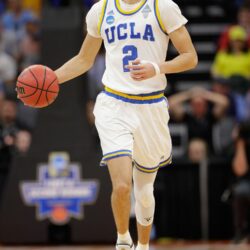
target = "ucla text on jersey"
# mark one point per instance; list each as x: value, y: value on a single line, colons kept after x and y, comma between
x: 125, y: 31
x: 129, y: 34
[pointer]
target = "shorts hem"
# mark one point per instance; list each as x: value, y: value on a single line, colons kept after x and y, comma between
x: 166, y: 162
x: 113, y: 155
x: 153, y: 169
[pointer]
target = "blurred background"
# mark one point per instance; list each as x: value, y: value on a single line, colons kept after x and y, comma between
x: 203, y: 195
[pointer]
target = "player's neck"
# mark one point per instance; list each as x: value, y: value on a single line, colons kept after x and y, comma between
x: 131, y: 1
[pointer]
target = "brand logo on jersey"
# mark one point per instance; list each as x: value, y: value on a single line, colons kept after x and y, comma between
x: 146, y: 11
x: 125, y: 31
x: 110, y: 18
x: 59, y: 193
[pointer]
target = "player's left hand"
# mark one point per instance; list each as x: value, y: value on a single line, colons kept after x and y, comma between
x: 140, y: 71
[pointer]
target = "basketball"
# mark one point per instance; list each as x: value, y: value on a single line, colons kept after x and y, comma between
x: 37, y: 86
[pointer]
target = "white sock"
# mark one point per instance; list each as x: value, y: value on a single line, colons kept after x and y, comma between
x: 124, y: 238
x: 142, y: 247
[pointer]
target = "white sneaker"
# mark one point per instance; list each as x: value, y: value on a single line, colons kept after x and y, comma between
x: 124, y: 246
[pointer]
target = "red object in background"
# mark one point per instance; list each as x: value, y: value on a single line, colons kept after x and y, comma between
x: 37, y: 86
x: 224, y: 40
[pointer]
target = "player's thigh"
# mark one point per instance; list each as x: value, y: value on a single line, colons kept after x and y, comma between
x: 120, y: 170
x: 111, y: 123
x: 152, y: 142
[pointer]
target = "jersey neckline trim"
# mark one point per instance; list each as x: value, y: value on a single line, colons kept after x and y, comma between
x: 131, y: 12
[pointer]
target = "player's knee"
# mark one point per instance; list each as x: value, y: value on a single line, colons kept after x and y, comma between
x: 122, y: 189
x: 145, y: 196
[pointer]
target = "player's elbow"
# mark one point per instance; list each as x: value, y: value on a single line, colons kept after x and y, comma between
x: 194, y: 60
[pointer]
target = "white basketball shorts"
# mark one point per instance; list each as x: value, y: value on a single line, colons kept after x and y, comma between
x: 134, y: 126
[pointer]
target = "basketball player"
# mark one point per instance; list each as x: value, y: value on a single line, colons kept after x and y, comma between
x: 131, y: 114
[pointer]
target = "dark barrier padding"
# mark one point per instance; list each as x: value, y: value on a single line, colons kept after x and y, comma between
x: 178, y: 213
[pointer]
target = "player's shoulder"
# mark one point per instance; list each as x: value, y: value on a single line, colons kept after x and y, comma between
x: 98, y: 5
x: 96, y: 9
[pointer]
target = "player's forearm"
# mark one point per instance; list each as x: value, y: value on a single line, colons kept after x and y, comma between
x: 183, y: 62
x: 73, y: 68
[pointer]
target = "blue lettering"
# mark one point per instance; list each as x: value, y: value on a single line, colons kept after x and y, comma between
x: 119, y: 31
x: 133, y: 35
x: 112, y: 39
x: 125, y: 31
x: 149, y: 34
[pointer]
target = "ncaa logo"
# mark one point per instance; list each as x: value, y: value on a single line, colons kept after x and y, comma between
x: 110, y: 20
x: 60, y: 193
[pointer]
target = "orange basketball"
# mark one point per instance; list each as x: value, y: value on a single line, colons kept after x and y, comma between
x: 37, y: 86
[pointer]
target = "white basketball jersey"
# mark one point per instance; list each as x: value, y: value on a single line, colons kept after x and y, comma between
x: 131, y: 35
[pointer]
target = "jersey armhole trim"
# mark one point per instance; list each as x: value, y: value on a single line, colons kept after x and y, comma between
x: 158, y: 17
x: 102, y: 16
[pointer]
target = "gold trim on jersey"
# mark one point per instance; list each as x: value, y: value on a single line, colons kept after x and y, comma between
x: 158, y: 16
x: 118, y: 5
x: 152, y: 96
x: 99, y: 26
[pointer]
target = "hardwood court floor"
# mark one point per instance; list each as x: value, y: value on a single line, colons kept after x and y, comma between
x: 154, y: 247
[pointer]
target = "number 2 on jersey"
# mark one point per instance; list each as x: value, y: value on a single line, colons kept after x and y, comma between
x: 131, y: 54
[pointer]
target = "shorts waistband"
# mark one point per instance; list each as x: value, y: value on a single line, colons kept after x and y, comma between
x: 136, y: 99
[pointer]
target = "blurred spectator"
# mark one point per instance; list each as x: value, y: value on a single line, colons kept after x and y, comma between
x: 19, y: 48
x: 235, y: 61
x: 30, y: 44
x: 8, y: 130
x: 243, y: 21
x: 222, y: 135
x: 27, y: 116
x: 232, y: 67
x: 35, y: 6
x: 241, y: 189
x: 200, y: 117
x: 8, y: 71
x: 197, y: 150
x: 23, y: 141
x: 237, y: 91
x: 8, y: 42
x: 12, y: 138
x: 16, y: 17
